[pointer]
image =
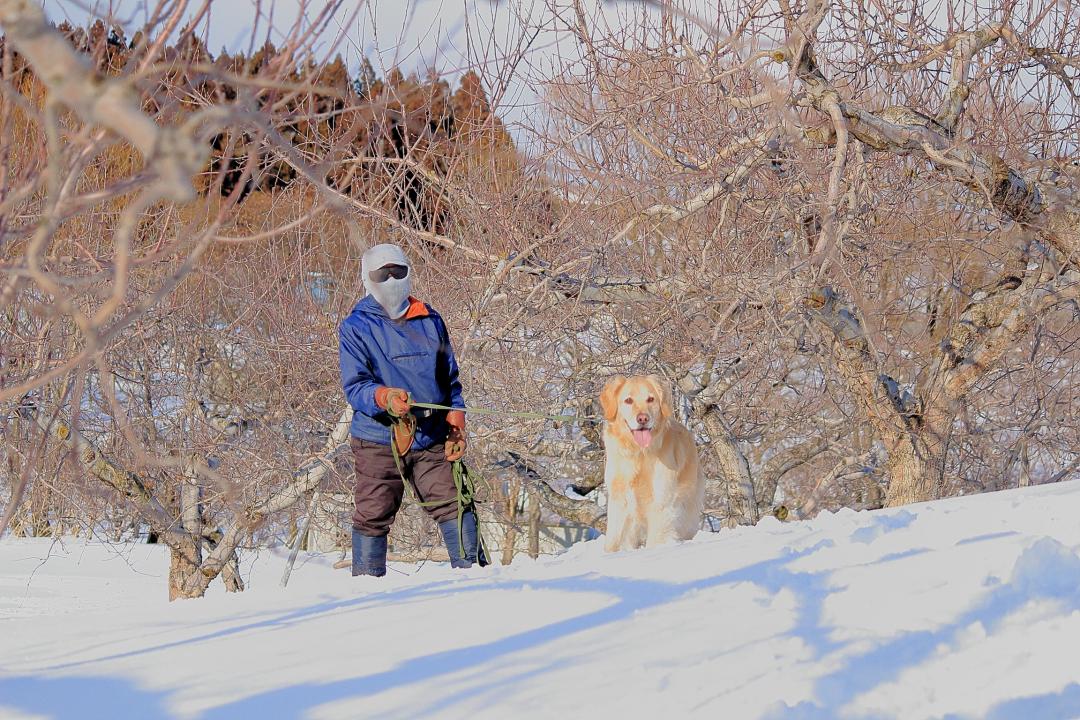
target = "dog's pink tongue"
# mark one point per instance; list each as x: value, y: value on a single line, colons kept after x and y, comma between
x: 642, y: 437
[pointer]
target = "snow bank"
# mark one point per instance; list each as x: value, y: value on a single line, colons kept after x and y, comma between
x: 961, y: 608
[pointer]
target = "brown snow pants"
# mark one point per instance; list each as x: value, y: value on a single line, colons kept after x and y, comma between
x: 379, y: 489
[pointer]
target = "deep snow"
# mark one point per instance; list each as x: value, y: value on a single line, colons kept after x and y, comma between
x: 961, y: 608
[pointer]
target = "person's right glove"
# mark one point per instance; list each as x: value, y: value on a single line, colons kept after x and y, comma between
x: 397, y: 402
x: 393, y: 400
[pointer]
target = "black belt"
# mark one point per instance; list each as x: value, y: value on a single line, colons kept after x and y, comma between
x: 422, y: 413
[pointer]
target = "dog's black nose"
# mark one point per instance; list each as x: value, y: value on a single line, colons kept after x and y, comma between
x: 642, y: 419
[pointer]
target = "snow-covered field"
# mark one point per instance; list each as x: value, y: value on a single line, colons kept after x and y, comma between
x: 961, y: 608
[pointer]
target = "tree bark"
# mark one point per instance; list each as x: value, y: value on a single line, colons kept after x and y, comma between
x: 185, y: 556
x: 782, y: 463
x: 185, y: 553
x: 915, y: 469
x: 510, y: 538
x: 734, y: 470
x: 534, y: 524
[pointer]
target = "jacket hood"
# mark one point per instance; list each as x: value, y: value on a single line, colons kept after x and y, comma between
x: 369, y: 306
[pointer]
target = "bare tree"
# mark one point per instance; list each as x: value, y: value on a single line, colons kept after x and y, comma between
x: 109, y: 214
x: 874, y: 250
x: 844, y: 233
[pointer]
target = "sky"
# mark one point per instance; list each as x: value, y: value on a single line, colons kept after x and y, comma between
x: 448, y: 36
x: 515, y: 45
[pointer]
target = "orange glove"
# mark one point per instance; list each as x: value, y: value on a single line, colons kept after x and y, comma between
x: 397, y: 402
x: 455, y: 439
x: 393, y: 400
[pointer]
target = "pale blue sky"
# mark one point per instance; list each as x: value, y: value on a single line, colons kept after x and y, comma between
x: 449, y: 36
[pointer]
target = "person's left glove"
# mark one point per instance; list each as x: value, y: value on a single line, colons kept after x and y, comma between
x: 455, y: 438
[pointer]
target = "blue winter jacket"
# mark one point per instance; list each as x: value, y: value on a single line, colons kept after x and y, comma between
x: 412, y: 353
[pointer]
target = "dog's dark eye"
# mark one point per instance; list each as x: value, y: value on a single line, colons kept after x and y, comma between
x: 649, y: 399
x: 629, y: 401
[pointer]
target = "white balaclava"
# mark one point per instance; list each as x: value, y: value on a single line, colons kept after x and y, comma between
x: 392, y: 294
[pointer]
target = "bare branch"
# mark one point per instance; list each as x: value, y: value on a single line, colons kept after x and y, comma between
x: 173, y: 156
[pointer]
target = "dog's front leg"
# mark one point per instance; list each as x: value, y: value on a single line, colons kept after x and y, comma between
x: 661, y: 520
x: 660, y: 532
x: 614, y: 538
x: 665, y: 514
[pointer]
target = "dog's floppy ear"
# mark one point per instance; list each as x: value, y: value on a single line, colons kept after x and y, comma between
x: 609, y: 397
x: 663, y: 394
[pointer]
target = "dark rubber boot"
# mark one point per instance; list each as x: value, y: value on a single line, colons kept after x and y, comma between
x: 368, y: 554
x: 469, y: 538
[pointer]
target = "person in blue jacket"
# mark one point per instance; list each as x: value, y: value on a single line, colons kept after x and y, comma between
x: 393, y: 350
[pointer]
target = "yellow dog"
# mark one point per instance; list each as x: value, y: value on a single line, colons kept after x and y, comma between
x: 656, y: 494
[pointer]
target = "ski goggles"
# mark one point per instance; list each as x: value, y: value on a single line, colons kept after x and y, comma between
x: 398, y: 272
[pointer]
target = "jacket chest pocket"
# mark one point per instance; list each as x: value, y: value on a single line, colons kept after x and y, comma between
x: 414, y: 358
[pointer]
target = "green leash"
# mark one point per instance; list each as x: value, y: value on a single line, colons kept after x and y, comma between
x: 507, y: 413
x: 465, y: 496
x: 463, y: 480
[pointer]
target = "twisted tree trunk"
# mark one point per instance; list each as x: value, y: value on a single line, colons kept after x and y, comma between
x: 185, y: 558
x: 915, y: 426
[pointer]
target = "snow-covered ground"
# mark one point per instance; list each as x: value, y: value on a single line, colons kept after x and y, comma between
x: 962, y: 608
